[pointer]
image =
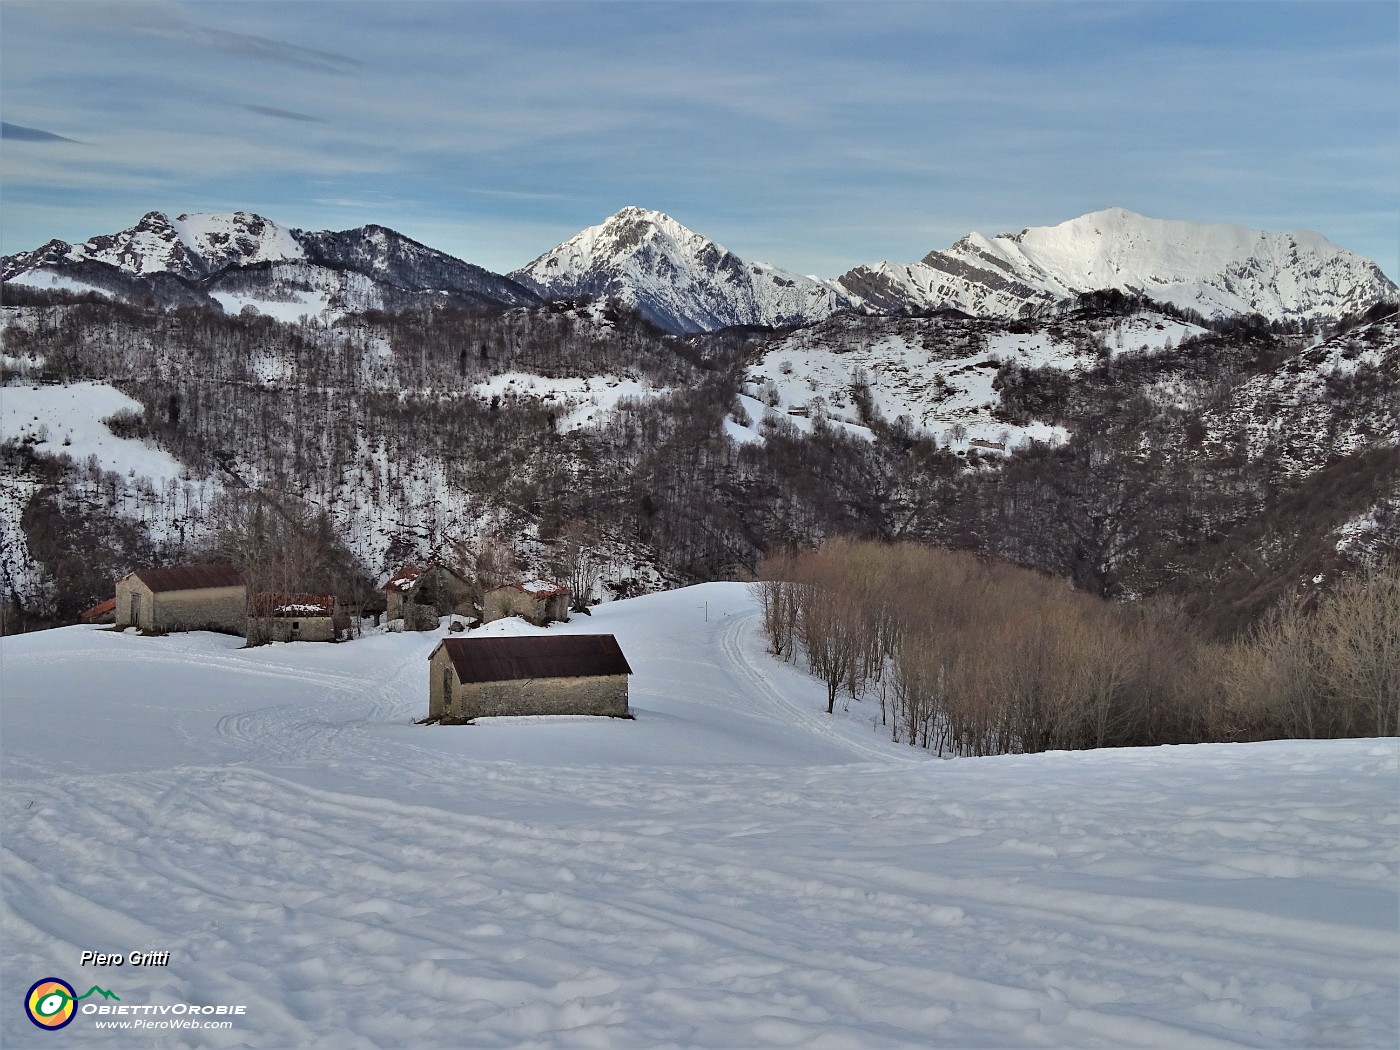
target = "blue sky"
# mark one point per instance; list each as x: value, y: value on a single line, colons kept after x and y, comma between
x: 815, y: 136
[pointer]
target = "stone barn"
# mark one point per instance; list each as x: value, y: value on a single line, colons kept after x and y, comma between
x: 538, y: 601
x: 277, y: 617
x: 418, y: 595
x: 572, y: 674
x: 183, y: 598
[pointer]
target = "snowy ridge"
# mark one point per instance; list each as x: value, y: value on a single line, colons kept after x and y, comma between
x: 1217, y: 270
x: 242, y: 260
x: 676, y: 278
x: 190, y: 246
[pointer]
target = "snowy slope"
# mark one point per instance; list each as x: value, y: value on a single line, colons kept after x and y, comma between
x: 676, y: 278
x: 1313, y: 409
x: 1215, y: 269
x: 732, y: 869
x: 936, y: 373
x: 68, y: 420
x: 148, y: 486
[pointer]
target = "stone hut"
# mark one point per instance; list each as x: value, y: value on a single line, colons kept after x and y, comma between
x: 538, y: 601
x: 572, y: 674
x: 183, y: 598
x: 274, y: 616
x: 418, y: 595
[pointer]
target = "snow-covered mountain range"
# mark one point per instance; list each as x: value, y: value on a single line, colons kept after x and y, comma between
x: 1218, y: 270
x: 241, y: 259
x: 682, y: 281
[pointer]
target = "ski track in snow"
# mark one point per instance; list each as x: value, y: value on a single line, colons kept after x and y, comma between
x: 356, y: 881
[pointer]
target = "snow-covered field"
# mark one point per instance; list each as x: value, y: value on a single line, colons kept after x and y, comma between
x: 584, y: 400
x: 68, y: 420
x: 732, y: 869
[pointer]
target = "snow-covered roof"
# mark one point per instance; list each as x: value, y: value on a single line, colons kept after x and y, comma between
x: 541, y: 588
x: 406, y: 578
x: 276, y: 603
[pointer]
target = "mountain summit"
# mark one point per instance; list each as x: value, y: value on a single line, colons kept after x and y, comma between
x: 676, y: 278
x: 1215, y: 269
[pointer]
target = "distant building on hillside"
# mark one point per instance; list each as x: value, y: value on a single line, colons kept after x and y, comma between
x: 418, y: 595
x: 571, y: 674
x: 279, y: 617
x: 538, y: 601
x: 183, y: 598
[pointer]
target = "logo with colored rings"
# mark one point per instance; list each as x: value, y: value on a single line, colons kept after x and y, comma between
x: 51, y: 1003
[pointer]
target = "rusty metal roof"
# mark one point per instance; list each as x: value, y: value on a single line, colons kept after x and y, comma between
x: 532, y: 656
x: 190, y: 577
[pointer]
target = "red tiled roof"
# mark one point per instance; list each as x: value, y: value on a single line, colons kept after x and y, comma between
x: 406, y: 577
x: 531, y: 656
x: 190, y: 577
x: 98, y: 611
x: 277, y: 603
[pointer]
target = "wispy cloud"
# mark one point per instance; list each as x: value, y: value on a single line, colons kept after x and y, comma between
x: 282, y: 114
x: 23, y: 134
x: 267, y: 49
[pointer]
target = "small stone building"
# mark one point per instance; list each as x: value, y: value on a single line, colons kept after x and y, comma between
x: 277, y: 617
x: 538, y: 601
x: 183, y: 598
x: 572, y: 674
x: 418, y: 595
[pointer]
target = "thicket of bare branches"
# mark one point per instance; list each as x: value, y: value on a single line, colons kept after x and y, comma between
x: 1332, y: 672
x: 969, y: 657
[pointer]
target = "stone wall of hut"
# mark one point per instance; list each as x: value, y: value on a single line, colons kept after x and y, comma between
x: 454, y: 702
x: 198, y: 609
